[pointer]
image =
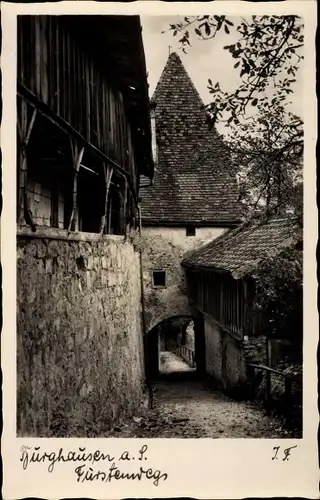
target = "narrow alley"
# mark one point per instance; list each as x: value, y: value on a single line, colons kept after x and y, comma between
x: 170, y: 363
x: 144, y: 284
x: 184, y: 408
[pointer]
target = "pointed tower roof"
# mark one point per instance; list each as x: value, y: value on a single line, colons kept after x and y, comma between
x: 171, y: 74
x: 191, y: 184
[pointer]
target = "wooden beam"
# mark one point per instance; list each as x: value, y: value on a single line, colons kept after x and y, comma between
x: 87, y: 84
x: 26, y: 129
x: 28, y: 214
x: 58, y: 59
x: 77, y: 157
x: 45, y: 110
x: 125, y: 206
x: 266, y: 369
x: 221, y: 302
x: 268, y: 378
x: 38, y: 53
x: 109, y: 216
x: 107, y: 175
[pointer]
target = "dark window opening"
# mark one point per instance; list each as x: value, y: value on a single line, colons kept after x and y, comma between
x: 117, y: 206
x: 159, y: 278
x: 190, y: 231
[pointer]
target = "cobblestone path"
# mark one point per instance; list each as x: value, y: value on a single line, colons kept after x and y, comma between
x: 184, y: 408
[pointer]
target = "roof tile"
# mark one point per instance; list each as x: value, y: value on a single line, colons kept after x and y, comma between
x: 240, y: 250
x: 192, y: 183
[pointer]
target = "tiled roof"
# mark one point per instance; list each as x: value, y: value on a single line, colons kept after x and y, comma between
x: 191, y: 182
x: 240, y: 250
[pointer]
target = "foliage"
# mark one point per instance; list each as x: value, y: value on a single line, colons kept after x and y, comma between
x: 267, y: 159
x: 279, y: 293
x: 266, y: 53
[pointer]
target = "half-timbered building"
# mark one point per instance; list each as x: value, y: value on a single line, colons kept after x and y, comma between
x: 83, y: 122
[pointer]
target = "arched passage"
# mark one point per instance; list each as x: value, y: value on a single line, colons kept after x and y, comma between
x: 180, y: 335
x: 164, y: 306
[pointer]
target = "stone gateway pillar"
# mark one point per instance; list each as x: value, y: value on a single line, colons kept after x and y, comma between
x: 200, y: 347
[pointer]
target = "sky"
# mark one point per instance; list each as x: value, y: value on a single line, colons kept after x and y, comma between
x: 205, y: 59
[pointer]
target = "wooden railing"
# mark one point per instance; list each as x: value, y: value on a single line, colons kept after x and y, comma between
x: 186, y: 353
x: 251, y: 367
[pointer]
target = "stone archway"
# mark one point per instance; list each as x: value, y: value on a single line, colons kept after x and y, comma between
x: 153, y: 343
x: 172, y: 303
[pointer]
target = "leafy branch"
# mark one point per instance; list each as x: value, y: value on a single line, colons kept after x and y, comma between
x: 267, y: 54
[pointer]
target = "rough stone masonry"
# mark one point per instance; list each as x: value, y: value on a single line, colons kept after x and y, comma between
x: 79, y: 335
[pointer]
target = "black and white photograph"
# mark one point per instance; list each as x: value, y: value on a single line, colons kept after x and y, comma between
x: 159, y: 171
x: 160, y: 239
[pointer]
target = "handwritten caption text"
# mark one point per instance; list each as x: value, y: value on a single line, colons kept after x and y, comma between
x: 96, y: 466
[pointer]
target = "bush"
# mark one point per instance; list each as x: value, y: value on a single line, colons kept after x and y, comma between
x: 279, y: 295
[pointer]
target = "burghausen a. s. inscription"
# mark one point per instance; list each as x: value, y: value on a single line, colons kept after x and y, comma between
x: 97, y: 465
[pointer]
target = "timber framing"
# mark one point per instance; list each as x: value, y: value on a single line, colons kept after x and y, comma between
x: 83, y: 123
x: 108, y: 176
x: 221, y: 274
x: 45, y: 110
x: 77, y: 157
x: 24, y: 130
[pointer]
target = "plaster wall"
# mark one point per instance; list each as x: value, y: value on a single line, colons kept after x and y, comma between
x: 225, y: 363
x: 163, y: 249
x: 213, y: 345
x: 177, y: 235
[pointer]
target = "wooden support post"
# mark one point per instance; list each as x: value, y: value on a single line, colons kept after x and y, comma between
x: 288, y: 396
x: 248, y: 316
x: 125, y: 200
x: 268, y: 379
x: 27, y: 213
x: 24, y: 131
x: 221, y: 301
x: 109, y: 217
x: 107, y: 175
x: 250, y: 378
x: 68, y: 129
x: 238, y: 291
x: 77, y: 158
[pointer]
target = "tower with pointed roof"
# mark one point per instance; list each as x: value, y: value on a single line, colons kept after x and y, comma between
x: 192, y: 185
x: 193, y: 198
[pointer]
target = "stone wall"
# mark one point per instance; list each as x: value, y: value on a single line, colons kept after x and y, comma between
x: 225, y: 364
x: 255, y: 350
x: 79, y: 335
x: 163, y: 249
